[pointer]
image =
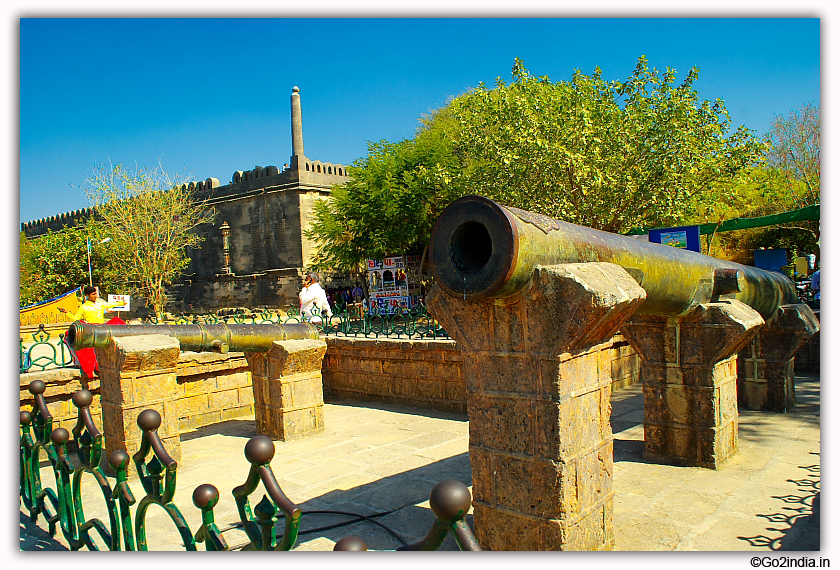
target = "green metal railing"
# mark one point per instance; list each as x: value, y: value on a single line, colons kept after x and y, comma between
x: 353, y: 321
x: 63, y: 507
x: 42, y: 353
x: 350, y: 321
x: 42, y: 319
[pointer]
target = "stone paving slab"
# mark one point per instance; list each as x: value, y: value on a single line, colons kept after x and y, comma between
x: 376, y: 458
x: 773, y: 479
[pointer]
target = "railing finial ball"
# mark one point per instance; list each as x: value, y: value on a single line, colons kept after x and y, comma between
x: 350, y: 543
x: 450, y: 500
x: 148, y: 420
x: 37, y: 387
x: 205, y: 495
x: 259, y: 450
x: 60, y: 436
x: 82, y: 398
x: 25, y: 418
x: 118, y: 459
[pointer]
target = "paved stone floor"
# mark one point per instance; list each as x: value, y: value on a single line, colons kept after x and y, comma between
x: 380, y: 458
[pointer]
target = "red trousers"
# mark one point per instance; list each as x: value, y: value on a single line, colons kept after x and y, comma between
x: 87, y: 356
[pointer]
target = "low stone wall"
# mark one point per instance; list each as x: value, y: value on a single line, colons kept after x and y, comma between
x: 419, y: 373
x: 212, y: 388
x: 624, y: 364
x: 423, y: 373
x: 218, y: 387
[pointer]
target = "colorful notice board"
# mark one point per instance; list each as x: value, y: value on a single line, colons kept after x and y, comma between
x: 389, y: 286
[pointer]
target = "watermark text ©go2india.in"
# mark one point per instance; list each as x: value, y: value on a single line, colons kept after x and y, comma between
x: 789, y: 562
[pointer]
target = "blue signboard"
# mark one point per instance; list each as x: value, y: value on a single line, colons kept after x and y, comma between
x: 686, y: 237
x: 770, y: 259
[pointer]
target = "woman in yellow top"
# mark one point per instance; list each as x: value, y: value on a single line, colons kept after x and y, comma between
x: 92, y: 311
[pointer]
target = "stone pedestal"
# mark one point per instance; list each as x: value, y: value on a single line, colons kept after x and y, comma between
x: 689, y: 378
x: 538, y: 398
x: 765, y: 367
x: 138, y: 373
x: 288, y: 388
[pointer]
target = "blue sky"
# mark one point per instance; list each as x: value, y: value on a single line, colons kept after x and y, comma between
x: 211, y: 96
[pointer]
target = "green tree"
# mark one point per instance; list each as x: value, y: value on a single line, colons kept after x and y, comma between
x: 612, y: 155
x: 794, y: 155
x: 755, y: 193
x: 789, y: 179
x: 56, y: 262
x: 29, y: 278
x: 392, y: 201
x: 793, y: 160
x: 151, y: 216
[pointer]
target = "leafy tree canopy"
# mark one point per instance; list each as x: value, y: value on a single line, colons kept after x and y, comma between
x: 56, y: 262
x: 151, y: 217
x: 612, y: 155
x: 393, y: 199
x: 788, y: 180
x: 794, y: 155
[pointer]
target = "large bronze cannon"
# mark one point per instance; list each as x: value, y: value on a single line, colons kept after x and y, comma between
x: 481, y: 249
x: 196, y: 338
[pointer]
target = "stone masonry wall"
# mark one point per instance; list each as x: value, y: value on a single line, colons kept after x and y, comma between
x: 62, y: 383
x: 624, y: 363
x: 270, y: 289
x: 217, y: 387
x: 423, y: 374
x: 212, y: 388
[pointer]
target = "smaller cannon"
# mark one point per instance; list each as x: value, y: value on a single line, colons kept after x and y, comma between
x: 197, y: 338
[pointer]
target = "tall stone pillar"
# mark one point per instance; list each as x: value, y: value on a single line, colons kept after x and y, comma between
x: 297, y: 124
x: 538, y: 384
x: 689, y: 378
x: 138, y: 373
x: 765, y: 367
x: 288, y: 388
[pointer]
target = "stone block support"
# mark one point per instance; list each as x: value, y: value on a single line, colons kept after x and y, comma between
x: 538, y: 384
x: 288, y: 388
x: 765, y: 367
x: 689, y: 378
x: 138, y: 373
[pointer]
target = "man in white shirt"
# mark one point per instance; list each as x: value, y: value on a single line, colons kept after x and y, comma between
x: 313, y: 299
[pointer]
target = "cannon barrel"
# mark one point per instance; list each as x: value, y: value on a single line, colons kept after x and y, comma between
x: 197, y: 337
x: 481, y: 249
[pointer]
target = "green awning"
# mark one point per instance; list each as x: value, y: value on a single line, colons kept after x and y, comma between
x: 807, y: 213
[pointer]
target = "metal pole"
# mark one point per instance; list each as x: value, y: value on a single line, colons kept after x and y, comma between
x: 90, y: 271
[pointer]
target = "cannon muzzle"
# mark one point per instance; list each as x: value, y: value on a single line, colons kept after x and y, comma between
x: 481, y: 249
x: 196, y: 338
